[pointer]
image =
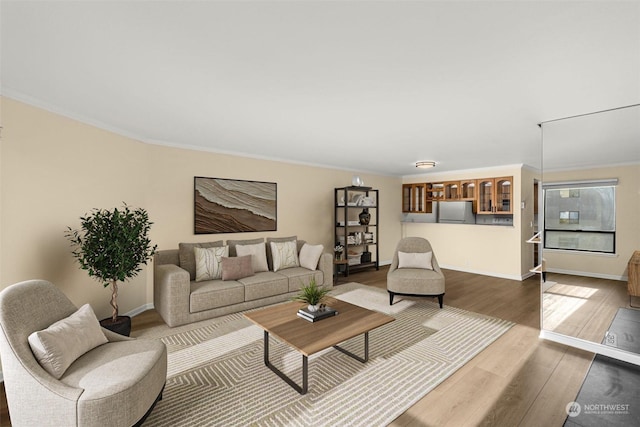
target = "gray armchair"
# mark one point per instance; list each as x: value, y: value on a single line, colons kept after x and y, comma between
x: 412, y: 281
x: 114, y: 384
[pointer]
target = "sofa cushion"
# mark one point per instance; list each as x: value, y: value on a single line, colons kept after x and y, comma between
x: 126, y: 375
x: 277, y: 239
x: 299, y: 276
x: 214, y: 294
x: 284, y: 255
x: 258, y: 255
x: 415, y: 260
x: 264, y: 284
x: 234, y: 268
x: 310, y: 255
x: 208, y: 262
x: 58, y: 346
x: 233, y: 243
x: 188, y: 258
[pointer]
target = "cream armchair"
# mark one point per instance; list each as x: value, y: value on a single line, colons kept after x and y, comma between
x: 414, y: 271
x: 114, y: 384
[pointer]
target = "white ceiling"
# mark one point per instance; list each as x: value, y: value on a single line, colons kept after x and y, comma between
x: 362, y: 85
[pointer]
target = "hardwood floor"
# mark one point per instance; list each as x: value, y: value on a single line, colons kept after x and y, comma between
x: 519, y: 380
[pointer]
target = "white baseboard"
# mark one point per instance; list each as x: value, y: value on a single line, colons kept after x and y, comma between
x: 587, y: 274
x: 139, y: 310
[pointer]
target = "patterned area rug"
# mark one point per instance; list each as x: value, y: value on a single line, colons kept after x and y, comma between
x: 216, y: 374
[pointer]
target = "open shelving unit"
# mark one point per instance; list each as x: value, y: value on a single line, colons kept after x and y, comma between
x: 360, y: 241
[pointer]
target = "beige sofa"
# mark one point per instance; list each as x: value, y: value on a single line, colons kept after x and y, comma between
x: 179, y: 299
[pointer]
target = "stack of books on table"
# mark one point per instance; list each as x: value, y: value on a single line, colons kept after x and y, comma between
x: 314, y: 316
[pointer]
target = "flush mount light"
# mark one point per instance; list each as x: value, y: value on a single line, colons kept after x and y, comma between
x: 425, y: 164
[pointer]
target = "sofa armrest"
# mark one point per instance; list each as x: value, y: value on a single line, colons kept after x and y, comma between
x: 171, y: 290
x: 325, y: 264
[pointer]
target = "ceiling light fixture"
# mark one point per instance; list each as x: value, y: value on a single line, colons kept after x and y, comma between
x: 426, y: 164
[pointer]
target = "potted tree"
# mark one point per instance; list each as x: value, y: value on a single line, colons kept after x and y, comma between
x: 112, y: 245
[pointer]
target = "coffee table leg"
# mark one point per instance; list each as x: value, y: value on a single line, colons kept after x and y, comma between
x: 358, y: 358
x: 305, y: 369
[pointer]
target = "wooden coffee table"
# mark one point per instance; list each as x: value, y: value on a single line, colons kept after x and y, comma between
x: 308, y: 338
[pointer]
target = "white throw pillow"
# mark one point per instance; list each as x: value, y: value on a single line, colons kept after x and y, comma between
x: 309, y: 256
x: 209, y: 262
x: 284, y: 255
x: 415, y: 260
x: 58, y: 346
x: 258, y: 254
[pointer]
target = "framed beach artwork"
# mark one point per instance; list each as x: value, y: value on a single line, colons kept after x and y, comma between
x: 234, y: 206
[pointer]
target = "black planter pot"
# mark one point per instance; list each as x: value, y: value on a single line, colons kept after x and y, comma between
x: 121, y: 326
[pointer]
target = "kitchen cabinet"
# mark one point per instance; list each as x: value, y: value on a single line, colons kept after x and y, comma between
x: 452, y: 190
x: 495, y: 195
x: 468, y: 189
x: 435, y: 191
x: 414, y: 198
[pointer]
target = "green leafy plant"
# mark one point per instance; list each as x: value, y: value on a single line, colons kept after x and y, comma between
x: 312, y: 294
x: 112, y: 245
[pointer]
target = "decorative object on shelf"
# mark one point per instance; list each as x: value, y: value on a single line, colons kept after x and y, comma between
x: 357, y: 181
x: 356, y: 200
x: 311, y: 294
x: 364, y: 217
x: 338, y: 251
x: 367, y: 201
x: 111, y: 246
x: 234, y: 206
x: 365, y: 257
x: 425, y: 164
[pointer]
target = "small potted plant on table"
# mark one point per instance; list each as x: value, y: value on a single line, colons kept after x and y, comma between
x: 111, y: 246
x: 312, y: 294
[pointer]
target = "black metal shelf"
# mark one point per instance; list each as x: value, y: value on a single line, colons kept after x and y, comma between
x: 346, y: 211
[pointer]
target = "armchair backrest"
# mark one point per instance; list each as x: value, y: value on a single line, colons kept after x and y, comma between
x: 414, y: 245
x: 27, y: 307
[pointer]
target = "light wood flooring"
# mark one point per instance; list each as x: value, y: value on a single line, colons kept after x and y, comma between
x: 519, y: 380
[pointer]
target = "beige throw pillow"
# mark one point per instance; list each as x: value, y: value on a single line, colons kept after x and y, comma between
x: 187, y: 257
x: 258, y: 255
x: 310, y: 255
x: 208, y: 262
x: 415, y: 260
x: 58, y: 346
x: 284, y: 255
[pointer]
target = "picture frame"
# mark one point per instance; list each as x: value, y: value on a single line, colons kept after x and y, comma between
x: 224, y: 205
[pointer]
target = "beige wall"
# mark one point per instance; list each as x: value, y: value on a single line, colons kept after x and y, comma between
x: 528, y: 229
x: 54, y: 169
x: 627, y: 225
x: 483, y: 249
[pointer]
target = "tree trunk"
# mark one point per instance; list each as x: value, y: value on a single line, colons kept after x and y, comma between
x: 114, y: 299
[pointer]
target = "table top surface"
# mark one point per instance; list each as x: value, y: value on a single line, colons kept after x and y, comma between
x: 307, y: 337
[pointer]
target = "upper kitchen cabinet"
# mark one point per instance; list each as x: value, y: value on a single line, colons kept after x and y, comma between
x: 414, y: 198
x: 495, y: 195
x: 452, y: 190
x: 468, y: 189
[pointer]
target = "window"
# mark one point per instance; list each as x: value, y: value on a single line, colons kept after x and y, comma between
x: 580, y: 216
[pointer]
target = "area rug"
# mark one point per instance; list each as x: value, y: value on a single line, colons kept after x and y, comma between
x: 217, y: 377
